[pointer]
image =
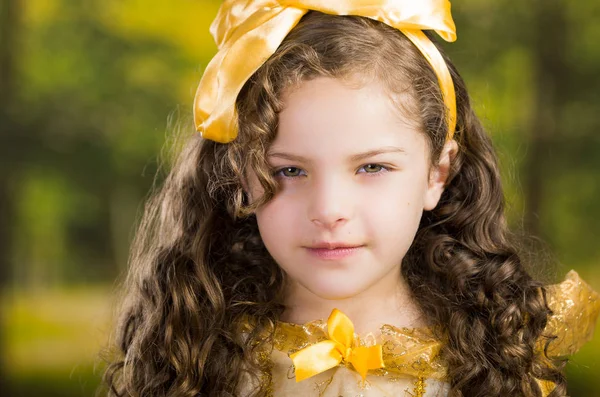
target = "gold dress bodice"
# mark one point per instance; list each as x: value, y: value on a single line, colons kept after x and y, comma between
x: 409, y: 355
x: 412, y: 366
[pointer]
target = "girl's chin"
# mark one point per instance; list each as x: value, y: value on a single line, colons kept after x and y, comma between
x: 336, y: 292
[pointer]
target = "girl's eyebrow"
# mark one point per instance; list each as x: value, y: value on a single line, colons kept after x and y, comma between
x: 354, y: 158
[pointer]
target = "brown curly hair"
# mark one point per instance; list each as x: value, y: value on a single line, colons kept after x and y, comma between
x: 198, y: 266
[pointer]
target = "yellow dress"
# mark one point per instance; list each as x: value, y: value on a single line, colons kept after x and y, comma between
x: 410, y: 356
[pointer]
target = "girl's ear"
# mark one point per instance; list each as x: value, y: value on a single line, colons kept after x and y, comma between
x: 246, y: 191
x: 251, y: 186
x: 439, y: 175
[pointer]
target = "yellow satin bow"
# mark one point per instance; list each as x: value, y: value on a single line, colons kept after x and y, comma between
x: 339, y: 348
x: 248, y: 32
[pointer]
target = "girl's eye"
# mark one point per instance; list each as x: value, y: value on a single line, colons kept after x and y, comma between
x: 289, y: 172
x: 372, y: 168
x: 294, y: 172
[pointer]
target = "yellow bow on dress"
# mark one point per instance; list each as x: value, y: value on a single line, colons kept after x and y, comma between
x: 248, y: 32
x: 339, y: 348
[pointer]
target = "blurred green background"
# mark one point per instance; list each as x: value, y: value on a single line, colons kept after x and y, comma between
x: 89, y: 90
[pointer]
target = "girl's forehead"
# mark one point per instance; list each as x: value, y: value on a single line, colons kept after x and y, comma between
x: 327, y: 114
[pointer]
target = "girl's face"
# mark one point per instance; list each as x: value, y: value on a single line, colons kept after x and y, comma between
x: 355, y: 180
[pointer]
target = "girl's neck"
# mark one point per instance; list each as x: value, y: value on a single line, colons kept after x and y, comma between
x: 368, y: 310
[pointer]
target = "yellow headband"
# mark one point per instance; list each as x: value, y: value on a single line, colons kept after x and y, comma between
x: 248, y: 32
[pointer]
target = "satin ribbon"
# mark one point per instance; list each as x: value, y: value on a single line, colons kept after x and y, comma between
x: 338, y: 349
x: 248, y: 32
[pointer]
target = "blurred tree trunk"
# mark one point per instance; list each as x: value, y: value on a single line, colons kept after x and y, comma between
x: 550, y: 70
x: 9, y: 17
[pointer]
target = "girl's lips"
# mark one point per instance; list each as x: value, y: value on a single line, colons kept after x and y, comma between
x: 333, y: 254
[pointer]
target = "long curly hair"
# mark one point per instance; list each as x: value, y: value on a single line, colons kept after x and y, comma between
x: 198, y: 266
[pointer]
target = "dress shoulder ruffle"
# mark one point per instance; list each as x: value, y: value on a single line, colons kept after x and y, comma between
x: 575, y: 308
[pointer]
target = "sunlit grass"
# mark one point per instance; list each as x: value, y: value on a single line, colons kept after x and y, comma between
x: 55, y: 330
x: 53, y: 339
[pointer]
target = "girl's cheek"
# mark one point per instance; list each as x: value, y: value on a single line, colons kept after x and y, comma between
x: 292, y: 187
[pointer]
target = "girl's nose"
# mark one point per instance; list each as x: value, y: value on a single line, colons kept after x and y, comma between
x: 330, y: 203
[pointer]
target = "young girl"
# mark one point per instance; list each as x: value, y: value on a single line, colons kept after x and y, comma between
x: 337, y: 228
